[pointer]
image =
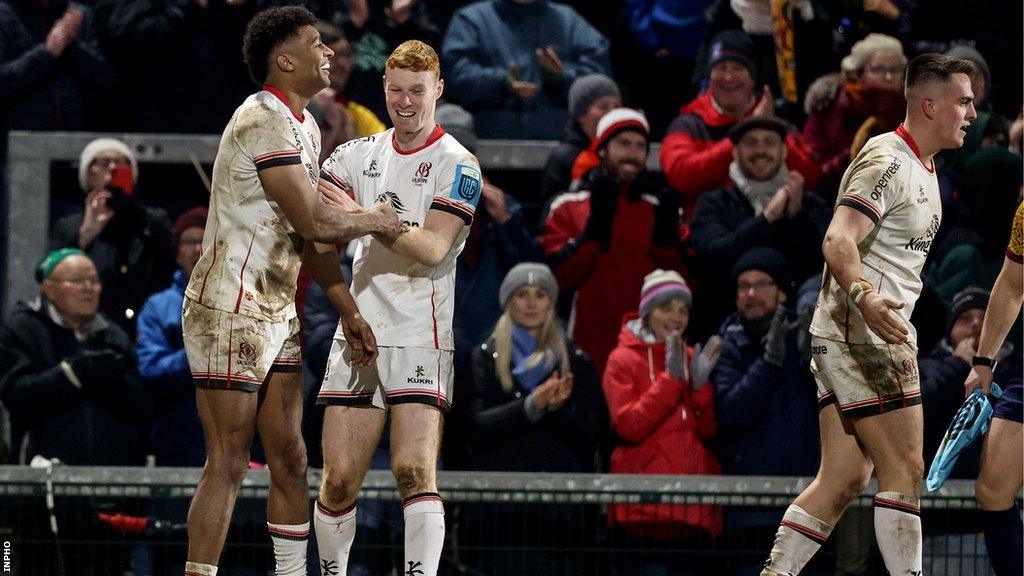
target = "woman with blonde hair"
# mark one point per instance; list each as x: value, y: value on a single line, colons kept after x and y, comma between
x: 535, y: 402
x: 534, y: 405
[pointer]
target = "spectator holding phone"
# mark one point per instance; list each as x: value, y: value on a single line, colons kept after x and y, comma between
x: 128, y: 242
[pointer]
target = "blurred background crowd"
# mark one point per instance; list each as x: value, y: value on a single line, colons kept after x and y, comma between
x: 579, y: 284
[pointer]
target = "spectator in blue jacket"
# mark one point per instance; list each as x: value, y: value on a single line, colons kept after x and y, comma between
x: 511, y: 62
x: 765, y: 397
x: 176, y: 438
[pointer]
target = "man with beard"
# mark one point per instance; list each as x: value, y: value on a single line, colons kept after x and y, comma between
x: 863, y: 347
x: 765, y: 205
x: 602, y: 240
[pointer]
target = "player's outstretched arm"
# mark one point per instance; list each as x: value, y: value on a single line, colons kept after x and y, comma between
x: 847, y: 229
x: 322, y: 262
x: 316, y: 219
x: 429, y: 244
x: 1003, y: 307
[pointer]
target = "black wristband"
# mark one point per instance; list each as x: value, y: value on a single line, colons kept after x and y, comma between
x: 983, y: 361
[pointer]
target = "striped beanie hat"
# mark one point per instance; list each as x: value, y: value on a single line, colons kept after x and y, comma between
x: 661, y: 286
x: 620, y: 120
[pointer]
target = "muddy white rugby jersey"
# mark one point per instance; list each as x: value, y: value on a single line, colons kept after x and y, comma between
x: 406, y: 303
x: 251, y: 253
x: 888, y: 183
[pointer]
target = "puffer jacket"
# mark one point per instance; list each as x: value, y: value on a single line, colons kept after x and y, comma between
x: 661, y: 424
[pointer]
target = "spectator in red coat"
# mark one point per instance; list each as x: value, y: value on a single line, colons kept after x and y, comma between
x: 871, y: 83
x: 603, y: 239
x: 662, y: 412
x: 696, y: 153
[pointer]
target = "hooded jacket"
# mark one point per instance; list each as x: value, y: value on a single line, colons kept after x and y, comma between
x: 662, y: 425
x: 696, y: 151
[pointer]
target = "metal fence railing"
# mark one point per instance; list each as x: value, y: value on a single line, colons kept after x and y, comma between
x: 498, y: 524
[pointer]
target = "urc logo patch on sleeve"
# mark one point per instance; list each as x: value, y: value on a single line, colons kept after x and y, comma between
x: 466, y: 187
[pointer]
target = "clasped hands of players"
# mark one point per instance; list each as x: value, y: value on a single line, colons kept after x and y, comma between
x: 389, y: 225
x: 877, y: 312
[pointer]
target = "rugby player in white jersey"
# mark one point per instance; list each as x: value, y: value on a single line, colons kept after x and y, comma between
x: 238, y: 318
x: 404, y: 287
x: 864, y: 352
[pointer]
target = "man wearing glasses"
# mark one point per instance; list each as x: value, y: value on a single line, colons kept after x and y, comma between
x: 68, y: 381
x: 67, y: 373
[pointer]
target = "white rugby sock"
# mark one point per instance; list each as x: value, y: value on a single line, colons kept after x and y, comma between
x: 424, y: 533
x: 289, y: 548
x: 800, y: 535
x: 335, y: 532
x: 898, y: 532
x: 200, y: 569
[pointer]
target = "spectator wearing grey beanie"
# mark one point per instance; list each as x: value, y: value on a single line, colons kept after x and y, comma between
x: 590, y: 98
x: 533, y: 404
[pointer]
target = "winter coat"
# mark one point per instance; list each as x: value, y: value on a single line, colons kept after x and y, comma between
x: 672, y: 25
x: 51, y: 416
x: 132, y: 255
x: 696, y: 151
x: 662, y: 425
x: 607, y: 282
x: 767, y: 415
x: 724, y: 228
x: 167, y: 50
x: 177, y: 435
x: 504, y: 439
x: 489, y: 253
x: 485, y: 36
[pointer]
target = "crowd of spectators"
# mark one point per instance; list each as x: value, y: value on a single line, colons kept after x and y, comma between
x: 650, y: 321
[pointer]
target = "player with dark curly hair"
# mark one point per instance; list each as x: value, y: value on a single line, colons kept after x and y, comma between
x: 239, y: 320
